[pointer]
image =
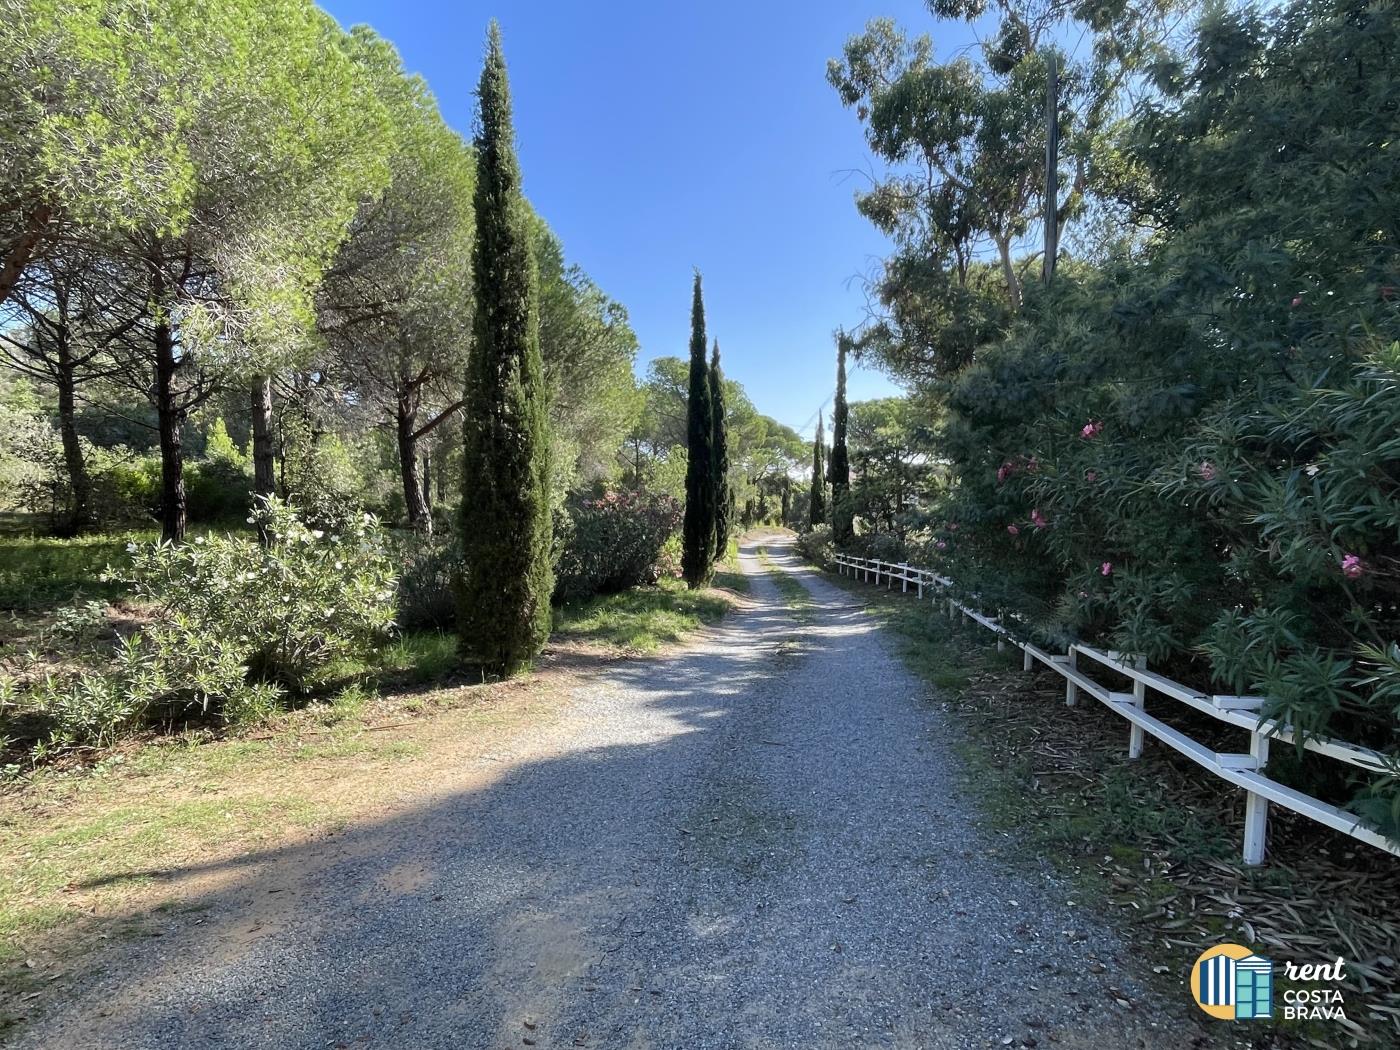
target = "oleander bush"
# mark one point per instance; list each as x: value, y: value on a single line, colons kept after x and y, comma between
x: 236, y: 629
x: 1188, y: 450
x: 609, y: 542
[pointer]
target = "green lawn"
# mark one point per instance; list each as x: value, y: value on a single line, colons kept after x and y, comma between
x: 642, y: 619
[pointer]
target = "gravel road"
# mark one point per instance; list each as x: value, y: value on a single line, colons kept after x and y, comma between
x: 755, y: 841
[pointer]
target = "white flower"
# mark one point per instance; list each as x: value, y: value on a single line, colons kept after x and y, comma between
x: 317, y: 533
x: 199, y: 539
x: 252, y: 521
x: 131, y: 548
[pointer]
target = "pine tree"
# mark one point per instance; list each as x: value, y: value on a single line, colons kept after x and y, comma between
x: 507, y: 581
x: 724, y: 504
x: 816, y: 508
x: 698, y: 531
x: 842, y: 526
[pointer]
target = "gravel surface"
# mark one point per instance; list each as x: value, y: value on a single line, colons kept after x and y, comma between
x: 755, y: 841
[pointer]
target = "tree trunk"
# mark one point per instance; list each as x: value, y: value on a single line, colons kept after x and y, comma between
x: 428, y: 485
x: 264, y: 478
x: 79, y: 483
x: 18, y: 254
x: 419, y: 518
x: 1013, y: 283
x: 171, y: 419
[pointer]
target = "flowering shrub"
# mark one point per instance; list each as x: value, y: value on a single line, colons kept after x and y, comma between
x: 1188, y: 451
x: 281, y: 613
x: 611, y: 542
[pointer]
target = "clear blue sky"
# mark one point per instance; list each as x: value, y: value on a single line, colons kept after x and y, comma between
x: 656, y: 137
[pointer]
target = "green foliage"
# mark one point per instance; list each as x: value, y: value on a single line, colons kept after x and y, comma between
x: 842, y: 514
x: 504, y: 612
x: 817, y: 547
x: 1187, y: 451
x: 611, y: 542
x: 237, y: 627
x: 893, y: 453
x: 426, y: 594
x: 719, y: 429
x: 282, y: 612
x: 698, y: 530
x: 816, y: 497
x: 219, y: 488
x: 588, y: 348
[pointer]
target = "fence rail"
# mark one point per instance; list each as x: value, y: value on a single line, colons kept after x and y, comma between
x: 1243, y: 769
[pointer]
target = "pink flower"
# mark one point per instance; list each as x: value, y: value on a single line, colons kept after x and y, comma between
x: 1032, y: 464
x: 1206, y: 469
x: 1038, y: 519
x: 1091, y: 429
x: 1013, y: 530
x: 1106, y: 569
x: 1003, y: 472
x: 941, y: 545
x: 952, y: 526
x: 1091, y: 475
x: 1297, y: 301
x: 1353, y: 567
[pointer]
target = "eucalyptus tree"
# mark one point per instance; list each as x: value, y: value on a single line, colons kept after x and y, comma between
x: 507, y: 577
x: 964, y: 144
x: 698, y: 527
x: 395, y: 308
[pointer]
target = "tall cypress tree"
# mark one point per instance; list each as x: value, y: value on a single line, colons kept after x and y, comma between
x: 503, y: 606
x: 698, y: 530
x: 724, y: 506
x: 816, y: 508
x: 842, y: 526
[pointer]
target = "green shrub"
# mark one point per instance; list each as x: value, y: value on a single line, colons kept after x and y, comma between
x: 426, y: 595
x: 816, y: 546
x: 218, y: 491
x: 283, y: 611
x: 611, y: 542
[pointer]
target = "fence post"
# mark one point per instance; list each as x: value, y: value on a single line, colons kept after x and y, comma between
x: 921, y: 586
x: 904, y: 577
x: 1136, y: 735
x: 1071, y: 690
x: 1026, y: 658
x: 1256, y: 807
x: 952, y: 609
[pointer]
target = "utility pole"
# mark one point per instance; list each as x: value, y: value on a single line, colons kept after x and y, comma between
x: 1052, y: 167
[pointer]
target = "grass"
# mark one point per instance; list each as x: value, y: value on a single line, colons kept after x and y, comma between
x: 89, y: 847
x: 37, y: 573
x: 642, y: 619
x: 795, y: 596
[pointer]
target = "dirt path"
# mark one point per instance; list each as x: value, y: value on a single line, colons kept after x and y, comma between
x: 756, y: 841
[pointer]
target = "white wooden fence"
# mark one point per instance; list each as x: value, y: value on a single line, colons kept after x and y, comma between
x: 1243, y: 769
